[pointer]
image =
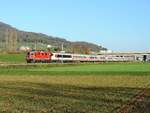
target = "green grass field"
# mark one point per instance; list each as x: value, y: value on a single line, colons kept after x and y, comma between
x: 77, y: 69
x: 72, y: 88
x: 12, y: 58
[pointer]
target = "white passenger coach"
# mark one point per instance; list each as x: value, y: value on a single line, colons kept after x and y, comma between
x: 68, y: 57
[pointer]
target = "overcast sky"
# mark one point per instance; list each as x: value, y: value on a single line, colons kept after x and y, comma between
x: 120, y: 25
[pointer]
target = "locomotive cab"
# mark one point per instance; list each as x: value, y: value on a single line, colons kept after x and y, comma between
x: 38, y: 56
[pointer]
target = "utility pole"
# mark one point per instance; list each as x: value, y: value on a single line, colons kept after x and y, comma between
x: 35, y: 46
x: 6, y: 39
x: 62, y: 48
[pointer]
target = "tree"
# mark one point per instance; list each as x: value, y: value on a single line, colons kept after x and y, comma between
x: 11, y: 40
x: 80, y: 49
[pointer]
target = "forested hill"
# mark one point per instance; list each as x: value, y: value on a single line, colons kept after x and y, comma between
x: 30, y: 38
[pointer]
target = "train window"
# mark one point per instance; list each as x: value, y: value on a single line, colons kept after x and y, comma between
x: 58, y: 56
x: 64, y: 56
x: 92, y: 57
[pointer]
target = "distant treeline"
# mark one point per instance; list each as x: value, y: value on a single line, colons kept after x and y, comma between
x: 12, y: 39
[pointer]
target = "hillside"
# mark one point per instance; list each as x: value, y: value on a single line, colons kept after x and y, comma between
x: 42, y: 40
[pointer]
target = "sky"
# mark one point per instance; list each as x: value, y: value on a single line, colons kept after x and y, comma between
x: 119, y: 25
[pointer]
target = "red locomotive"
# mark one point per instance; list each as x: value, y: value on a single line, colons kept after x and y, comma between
x: 38, y: 56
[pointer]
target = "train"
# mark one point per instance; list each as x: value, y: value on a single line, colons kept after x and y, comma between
x: 47, y: 57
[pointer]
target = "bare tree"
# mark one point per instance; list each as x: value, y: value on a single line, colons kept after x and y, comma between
x: 81, y: 49
x: 11, y: 40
